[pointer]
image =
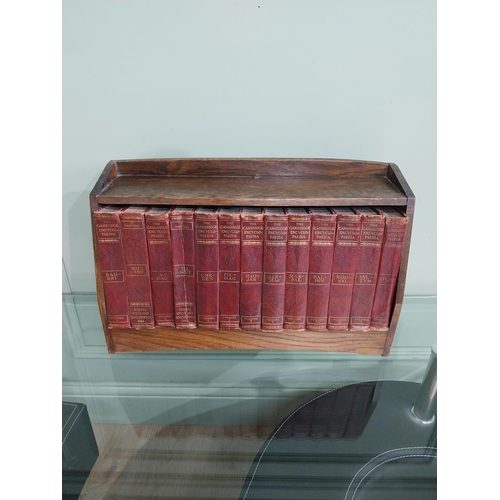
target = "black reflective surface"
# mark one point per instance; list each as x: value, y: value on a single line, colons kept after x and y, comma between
x: 79, y: 449
x: 356, y: 442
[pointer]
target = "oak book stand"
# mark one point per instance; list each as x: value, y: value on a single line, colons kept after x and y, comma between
x: 261, y: 182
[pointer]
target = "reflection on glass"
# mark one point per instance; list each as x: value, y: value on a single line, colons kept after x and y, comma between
x: 338, y: 414
x: 357, y: 442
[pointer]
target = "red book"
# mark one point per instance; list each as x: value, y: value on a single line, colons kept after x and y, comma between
x: 323, y: 230
x: 135, y: 255
x: 160, y: 265
x: 344, y: 265
x: 252, y: 240
x: 367, y: 264
x: 274, y: 268
x: 183, y: 265
x: 109, y: 244
x: 390, y: 260
x: 297, y: 266
x: 229, y: 267
x: 206, y: 230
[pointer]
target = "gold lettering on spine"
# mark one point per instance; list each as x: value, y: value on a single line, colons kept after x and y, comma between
x: 206, y: 231
x: 108, y: 233
x: 348, y: 232
x: 251, y: 277
x: 250, y: 320
x: 323, y: 235
x: 296, y: 278
x: 136, y: 270
x: 295, y: 320
x: 113, y: 276
x: 181, y: 225
x: 207, y: 276
x: 183, y: 270
x: 319, y: 278
x: 274, y: 278
x: 161, y: 276
x: 372, y: 233
x: 276, y: 232
x: 229, y: 276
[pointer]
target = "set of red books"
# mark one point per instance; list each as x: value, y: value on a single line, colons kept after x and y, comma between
x: 250, y: 268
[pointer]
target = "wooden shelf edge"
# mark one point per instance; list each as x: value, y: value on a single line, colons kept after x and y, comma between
x: 371, y: 342
x: 258, y: 202
x: 250, y: 166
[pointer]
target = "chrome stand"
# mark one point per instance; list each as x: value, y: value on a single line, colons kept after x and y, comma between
x: 426, y: 402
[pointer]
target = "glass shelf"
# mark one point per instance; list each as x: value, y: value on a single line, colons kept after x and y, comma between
x: 190, y: 424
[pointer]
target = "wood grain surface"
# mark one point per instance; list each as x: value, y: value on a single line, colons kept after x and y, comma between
x: 172, y: 461
x: 169, y: 339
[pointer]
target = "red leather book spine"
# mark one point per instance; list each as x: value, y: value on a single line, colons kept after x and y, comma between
x: 344, y: 265
x: 135, y: 255
x: 297, y: 266
x: 229, y: 267
x: 323, y: 230
x: 390, y: 260
x: 206, y: 228
x: 183, y: 265
x: 274, y: 268
x: 160, y: 265
x: 252, y: 240
x: 112, y: 268
x: 367, y: 264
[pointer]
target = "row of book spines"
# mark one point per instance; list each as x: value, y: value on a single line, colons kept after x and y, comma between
x: 145, y: 278
x: 288, y: 234
x: 284, y: 287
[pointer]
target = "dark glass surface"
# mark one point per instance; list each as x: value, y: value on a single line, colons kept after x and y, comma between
x: 359, y: 441
x: 79, y: 449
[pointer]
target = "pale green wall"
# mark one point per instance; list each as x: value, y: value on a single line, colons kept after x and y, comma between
x: 335, y: 79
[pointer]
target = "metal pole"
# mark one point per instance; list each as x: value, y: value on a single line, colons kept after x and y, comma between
x: 426, y: 402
